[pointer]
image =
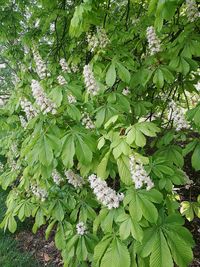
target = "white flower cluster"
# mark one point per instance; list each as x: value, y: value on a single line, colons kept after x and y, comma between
x: 153, y: 41
x: 52, y: 27
x: 178, y: 116
x: 197, y: 86
x: 40, y: 65
x: 56, y: 177
x: 81, y: 228
x: 71, y: 99
x: 28, y: 108
x: 74, y: 179
x: 74, y: 68
x: 14, y: 150
x: 192, y: 10
x: 126, y: 91
x: 87, y: 122
x: 106, y: 195
x: 39, y: 192
x: 93, y: 41
x: 61, y: 80
x: 45, y: 104
x: 90, y: 81
x: 65, y: 67
x: 14, y: 165
x: 103, y: 38
x: 139, y: 175
x: 1, y: 167
x: 23, y: 121
x: 99, y: 40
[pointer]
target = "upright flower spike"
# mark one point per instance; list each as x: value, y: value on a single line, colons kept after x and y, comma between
x: 40, y: 193
x: 56, y: 177
x: 71, y: 99
x: 74, y: 179
x: 65, y: 67
x: 40, y: 65
x: 45, y: 104
x: 103, y: 38
x: 61, y: 80
x: 28, y: 108
x: 23, y: 122
x: 86, y: 121
x: 192, y: 11
x: 178, y: 116
x: 153, y: 41
x: 93, y: 42
x: 81, y: 228
x: 139, y: 175
x: 106, y: 195
x: 90, y: 81
x: 126, y: 91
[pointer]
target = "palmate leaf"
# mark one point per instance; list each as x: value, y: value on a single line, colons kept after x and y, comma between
x: 116, y: 255
x: 166, y: 242
x: 136, y: 133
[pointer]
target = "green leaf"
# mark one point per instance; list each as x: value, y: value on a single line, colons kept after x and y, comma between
x: 124, y: 74
x: 12, y: 225
x: 181, y: 251
x: 68, y: 152
x: 83, y: 152
x: 56, y: 95
x: 196, y: 158
x: 158, y: 78
x: 101, y: 169
x: 60, y: 237
x: 111, y: 75
x: 187, y: 210
x: 45, y: 153
x: 160, y: 256
x: 149, y: 211
x: 119, y: 254
x: 124, y: 169
x: 100, y: 249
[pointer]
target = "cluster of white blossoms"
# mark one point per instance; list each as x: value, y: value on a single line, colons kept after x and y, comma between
x: 139, y: 175
x: 65, y: 67
x: 14, y: 150
x: 178, y: 116
x: 40, y: 65
x: 81, y: 228
x: 23, y: 121
x: 86, y: 121
x: 74, y: 68
x: 39, y: 192
x: 99, y: 40
x: 126, y: 91
x: 28, y: 108
x: 45, y: 104
x: 106, y: 195
x: 197, y: 86
x: 192, y: 11
x: 103, y: 38
x: 74, y: 179
x: 93, y: 41
x: 61, y: 80
x: 14, y: 165
x: 71, y: 99
x: 1, y: 167
x: 56, y: 177
x: 153, y: 41
x: 90, y: 81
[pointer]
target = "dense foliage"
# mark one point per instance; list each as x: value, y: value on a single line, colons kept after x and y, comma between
x: 94, y: 136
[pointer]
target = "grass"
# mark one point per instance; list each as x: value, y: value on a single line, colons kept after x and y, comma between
x: 10, y: 253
